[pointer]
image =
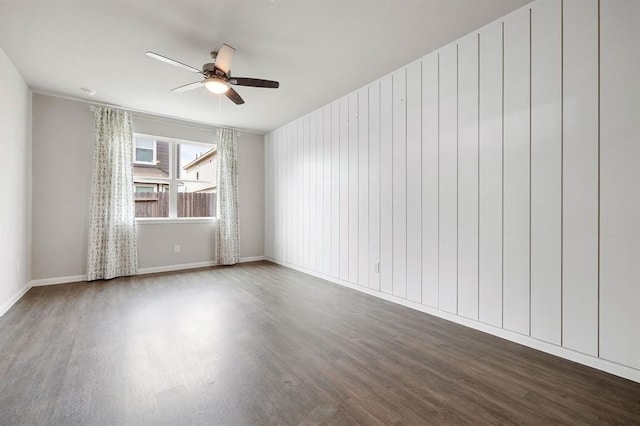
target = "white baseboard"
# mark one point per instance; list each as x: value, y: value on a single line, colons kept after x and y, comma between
x: 141, y: 271
x: 80, y: 278
x: 13, y: 299
x: 58, y: 280
x: 169, y: 268
x: 251, y: 259
x: 588, y: 360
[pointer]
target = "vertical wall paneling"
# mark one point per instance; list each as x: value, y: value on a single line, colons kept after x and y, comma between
x: 374, y: 185
x: 313, y: 191
x: 546, y: 171
x: 516, y: 172
x: 270, y: 226
x: 399, y: 186
x: 430, y: 162
x: 319, y: 242
x: 276, y: 198
x: 468, y: 177
x: 327, y: 199
x: 273, y: 198
x: 287, y: 163
x: 495, y: 179
x: 279, y: 235
x: 298, y: 165
x: 580, y: 176
x: 343, y: 159
x: 289, y: 182
x: 414, y: 182
x: 294, y: 204
x: 353, y: 187
x: 619, y: 182
x: 279, y: 242
x: 386, y: 185
x: 448, y: 177
x: 289, y: 204
x: 267, y: 201
x: 335, y: 190
x: 277, y: 195
x: 278, y: 151
x: 363, y: 187
x: 305, y: 191
x: 284, y: 189
x: 490, y: 155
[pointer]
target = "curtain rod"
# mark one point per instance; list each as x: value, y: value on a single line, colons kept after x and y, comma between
x: 165, y: 119
x: 147, y: 114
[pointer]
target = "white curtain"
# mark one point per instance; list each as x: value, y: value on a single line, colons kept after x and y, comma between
x: 228, y: 239
x: 112, y: 227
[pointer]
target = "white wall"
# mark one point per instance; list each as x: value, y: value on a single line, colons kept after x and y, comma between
x: 482, y: 181
x: 251, y: 194
x: 15, y: 173
x: 62, y: 153
x: 62, y: 145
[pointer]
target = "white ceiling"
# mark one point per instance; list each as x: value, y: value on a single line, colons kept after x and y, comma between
x: 318, y: 50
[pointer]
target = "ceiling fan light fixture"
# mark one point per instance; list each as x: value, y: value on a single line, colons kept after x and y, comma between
x: 215, y: 85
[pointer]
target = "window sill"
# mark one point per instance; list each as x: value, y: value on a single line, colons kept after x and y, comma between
x: 166, y: 220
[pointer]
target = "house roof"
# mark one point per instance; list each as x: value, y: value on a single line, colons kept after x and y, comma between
x: 201, y: 158
x: 318, y: 50
x: 148, y: 172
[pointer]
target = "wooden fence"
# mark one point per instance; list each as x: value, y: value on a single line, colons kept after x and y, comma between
x: 190, y: 204
x: 196, y: 204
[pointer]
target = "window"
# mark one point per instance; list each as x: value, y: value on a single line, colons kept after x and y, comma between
x: 145, y: 188
x: 145, y: 151
x: 174, y: 179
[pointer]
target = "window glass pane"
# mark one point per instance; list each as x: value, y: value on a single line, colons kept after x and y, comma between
x: 152, y: 200
x: 151, y: 174
x: 152, y: 171
x: 145, y: 188
x: 145, y: 155
x: 193, y: 158
x: 197, y: 169
x: 144, y: 149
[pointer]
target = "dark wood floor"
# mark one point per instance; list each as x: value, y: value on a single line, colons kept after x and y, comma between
x: 261, y: 344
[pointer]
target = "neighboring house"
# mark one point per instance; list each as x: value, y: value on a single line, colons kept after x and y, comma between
x: 203, y: 169
x: 151, y: 166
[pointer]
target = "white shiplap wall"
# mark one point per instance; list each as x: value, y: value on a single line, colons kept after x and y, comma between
x: 494, y: 182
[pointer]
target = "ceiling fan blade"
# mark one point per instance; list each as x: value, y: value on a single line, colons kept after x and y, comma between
x: 223, y: 60
x: 187, y: 87
x: 234, y: 96
x: 254, y: 82
x: 173, y: 62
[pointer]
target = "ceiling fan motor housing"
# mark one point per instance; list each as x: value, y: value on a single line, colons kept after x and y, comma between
x: 210, y: 70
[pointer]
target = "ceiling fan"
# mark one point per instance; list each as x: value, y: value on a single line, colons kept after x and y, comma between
x: 217, y: 75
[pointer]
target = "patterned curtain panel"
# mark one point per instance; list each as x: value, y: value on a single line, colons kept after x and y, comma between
x: 228, y: 239
x: 112, y: 226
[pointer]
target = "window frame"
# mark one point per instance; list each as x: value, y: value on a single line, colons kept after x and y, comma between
x: 173, y: 181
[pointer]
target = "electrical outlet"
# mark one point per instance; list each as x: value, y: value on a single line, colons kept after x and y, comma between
x: 176, y: 248
x: 376, y: 267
